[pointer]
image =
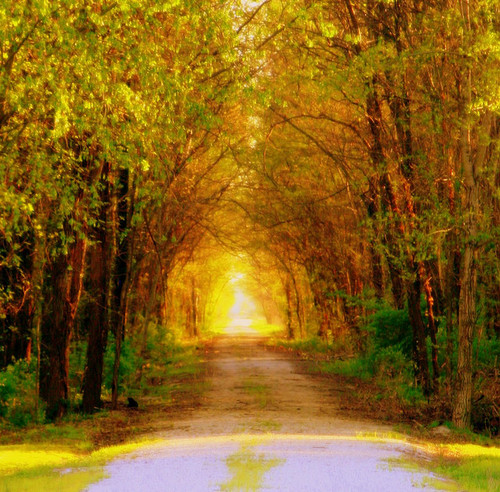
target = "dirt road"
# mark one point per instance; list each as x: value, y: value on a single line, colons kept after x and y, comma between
x: 265, y: 426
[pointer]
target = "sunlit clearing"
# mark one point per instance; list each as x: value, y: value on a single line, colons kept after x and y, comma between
x: 236, y: 278
x: 242, y: 314
x: 244, y: 311
x: 235, y: 306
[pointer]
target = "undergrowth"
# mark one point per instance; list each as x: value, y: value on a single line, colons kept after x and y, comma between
x: 382, y: 354
x: 155, y: 368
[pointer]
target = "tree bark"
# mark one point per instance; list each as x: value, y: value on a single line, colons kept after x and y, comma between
x: 99, y: 290
x: 122, y: 272
x: 66, y: 285
x: 418, y: 327
x: 462, y: 408
x: 289, y: 324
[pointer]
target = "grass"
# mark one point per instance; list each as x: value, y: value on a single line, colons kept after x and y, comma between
x: 70, y: 454
x: 247, y: 470
x: 467, y: 467
x: 28, y: 467
x: 266, y: 329
x: 269, y: 425
x: 473, y: 467
x: 349, y: 368
x: 259, y: 391
x: 307, y: 346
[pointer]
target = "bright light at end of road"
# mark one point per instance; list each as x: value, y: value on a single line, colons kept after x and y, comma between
x: 236, y: 277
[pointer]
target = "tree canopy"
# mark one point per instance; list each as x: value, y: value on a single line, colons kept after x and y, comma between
x: 345, y: 155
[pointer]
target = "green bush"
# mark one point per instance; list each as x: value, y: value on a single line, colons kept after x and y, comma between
x: 357, y: 367
x: 410, y: 394
x: 313, y: 345
x: 129, y: 364
x: 486, y: 352
x: 7, y: 390
x: 18, y: 395
x: 391, y: 363
x: 391, y: 328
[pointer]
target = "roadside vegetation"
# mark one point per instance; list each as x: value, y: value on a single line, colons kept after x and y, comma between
x: 376, y: 381
x: 475, y: 468
x: 378, y: 361
x: 166, y: 379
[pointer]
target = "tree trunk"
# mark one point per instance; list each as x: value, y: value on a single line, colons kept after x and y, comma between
x: 289, y: 324
x: 418, y: 326
x: 66, y: 281
x: 299, y: 311
x: 121, y: 276
x: 37, y: 279
x: 372, y: 208
x: 431, y: 322
x: 468, y: 277
x: 99, y: 290
x: 466, y: 323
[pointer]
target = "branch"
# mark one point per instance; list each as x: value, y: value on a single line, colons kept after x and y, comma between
x: 252, y: 16
x: 315, y: 141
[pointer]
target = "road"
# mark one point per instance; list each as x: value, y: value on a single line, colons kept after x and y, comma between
x: 264, y: 425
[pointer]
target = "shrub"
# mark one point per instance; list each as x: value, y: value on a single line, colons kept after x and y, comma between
x: 486, y: 352
x: 18, y: 395
x: 391, y: 362
x: 391, y: 327
x: 357, y: 367
x: 129, y: 364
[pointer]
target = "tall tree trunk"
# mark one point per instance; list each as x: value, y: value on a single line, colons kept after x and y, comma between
x: 372, y: 207
x: 299, y: 311
x: 288, y: 295
x: 66, y: 272
x: 122, y: 275
x: 451, y: 285
x: 431, y: 322
x: 99, y: 290
x: 418, y: 326
x: 467, y: 314
x: 37, y: 279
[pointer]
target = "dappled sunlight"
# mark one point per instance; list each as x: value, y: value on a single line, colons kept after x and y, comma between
x: 469, y: 450
x: 25, y: 457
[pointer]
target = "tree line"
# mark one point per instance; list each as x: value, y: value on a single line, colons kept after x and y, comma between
x: 114, y: 150
x: 349, y: 149
x: 376, y: 177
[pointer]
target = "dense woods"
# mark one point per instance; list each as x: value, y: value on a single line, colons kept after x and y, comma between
x: 346, y: 153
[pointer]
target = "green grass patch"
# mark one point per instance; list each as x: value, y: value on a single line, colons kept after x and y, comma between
x: 313, y: 345
x: 247, y: 470
x: 475, y: 468
x: 259, y: 391
x: 269, y: 425
x: 255, y: 388
x: 67, y: 432
x: 349, y: 368
x: 457, y: 467
x: 28, y: 467
x: 267, y: 329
